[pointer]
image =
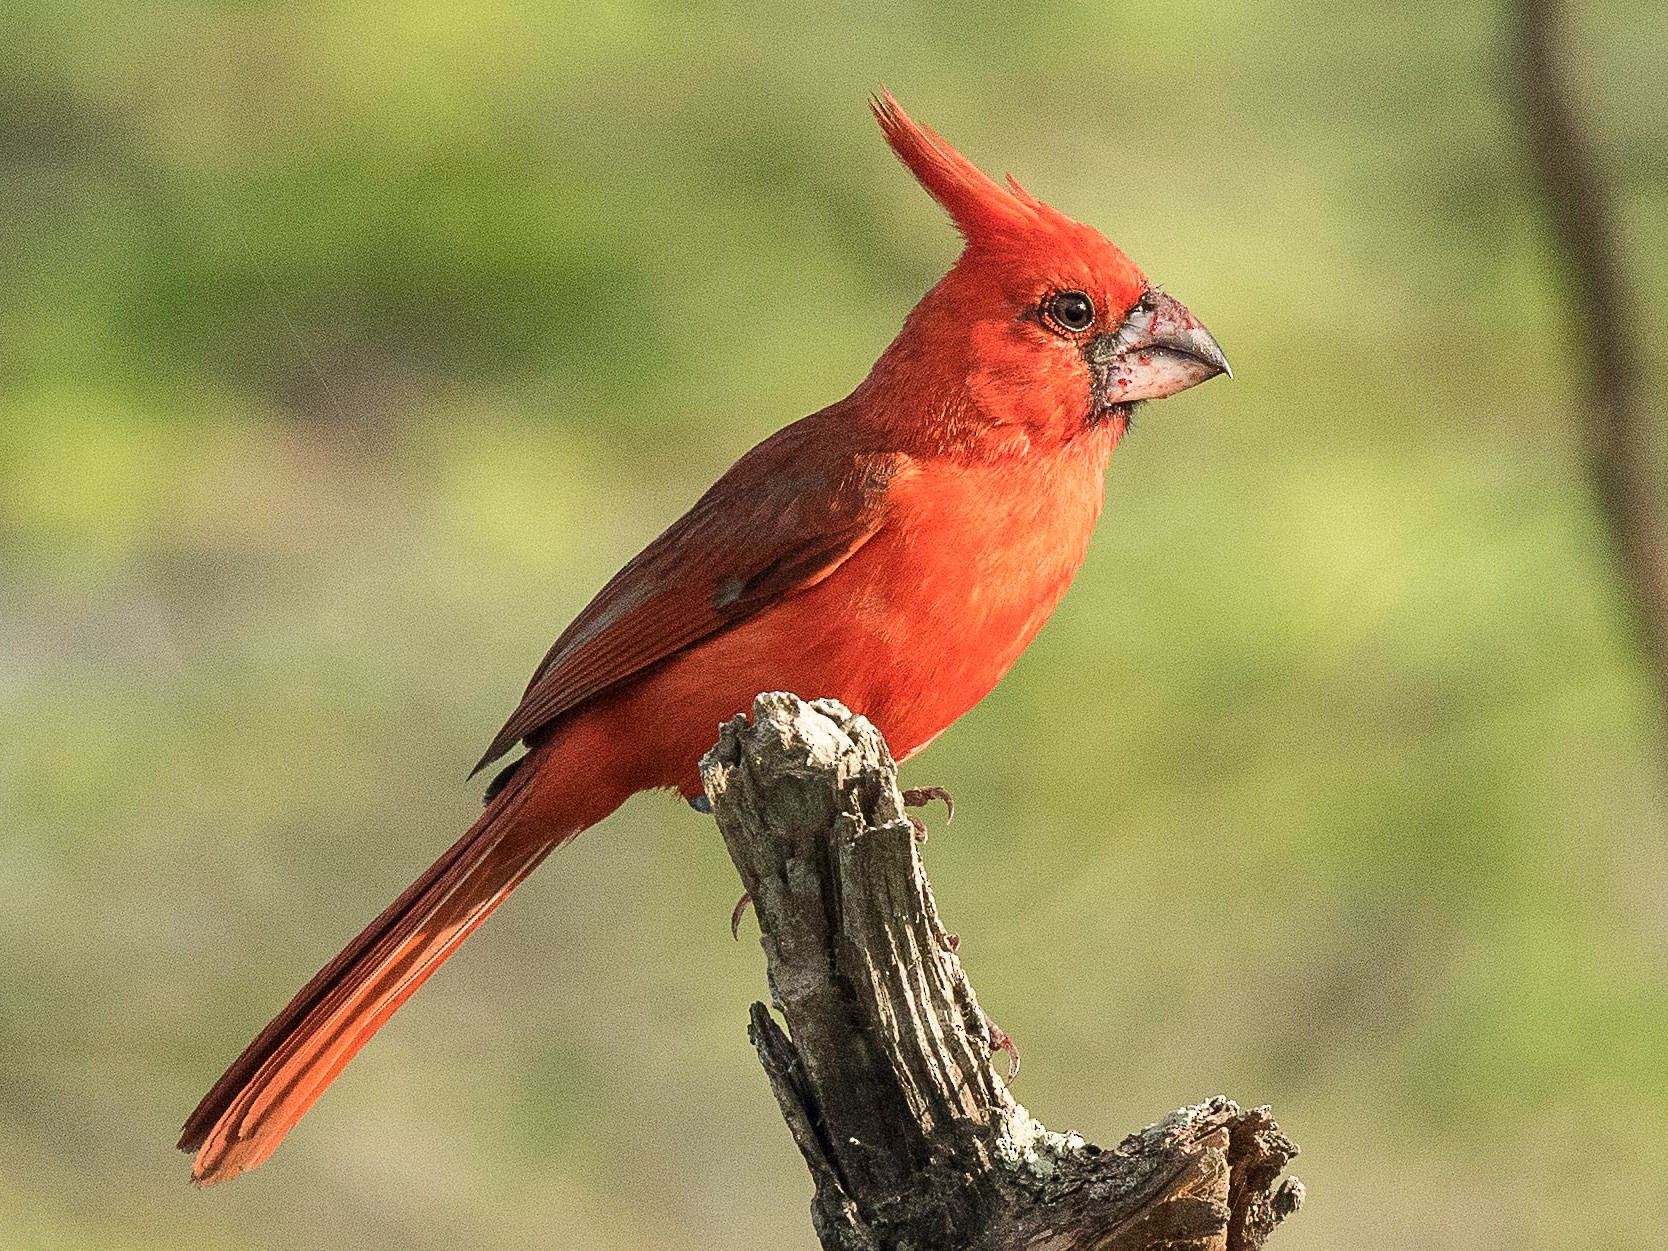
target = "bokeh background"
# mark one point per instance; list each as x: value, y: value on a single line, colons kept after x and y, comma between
x: 345, y: 349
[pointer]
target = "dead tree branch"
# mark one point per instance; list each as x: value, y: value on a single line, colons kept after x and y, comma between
x: 884, y: 1074
x: 1580, y: 210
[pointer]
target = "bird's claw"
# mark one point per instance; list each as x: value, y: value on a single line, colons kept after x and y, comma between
x: 735, y: 917
x: 921, y: 796
x: 999, y: 1041
x: 996, y: 1038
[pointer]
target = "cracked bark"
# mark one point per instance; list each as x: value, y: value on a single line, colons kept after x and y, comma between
x: 883, y: 1073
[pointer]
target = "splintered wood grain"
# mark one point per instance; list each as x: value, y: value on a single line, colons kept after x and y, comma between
x: 883, y: 1071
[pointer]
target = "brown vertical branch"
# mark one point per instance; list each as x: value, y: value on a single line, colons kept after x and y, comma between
x: 1580, y: 210
x: 883, y: 1073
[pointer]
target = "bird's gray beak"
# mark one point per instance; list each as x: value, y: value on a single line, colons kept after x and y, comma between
x: 1159, y: 350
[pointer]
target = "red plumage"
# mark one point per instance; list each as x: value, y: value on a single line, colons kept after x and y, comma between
x: 896, y: 550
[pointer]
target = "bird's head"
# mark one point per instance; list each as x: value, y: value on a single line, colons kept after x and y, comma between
x: 1041, y: 320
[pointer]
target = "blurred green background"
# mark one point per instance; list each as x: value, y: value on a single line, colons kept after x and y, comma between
x: 345, y: 349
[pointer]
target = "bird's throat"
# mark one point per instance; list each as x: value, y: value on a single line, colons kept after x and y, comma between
x: 1117, y: 417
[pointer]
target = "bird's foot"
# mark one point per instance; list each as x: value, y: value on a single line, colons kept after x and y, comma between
x: 735, y: 917
x: 998, y: 1040
x: 920, y: 797
x: 702, y: 804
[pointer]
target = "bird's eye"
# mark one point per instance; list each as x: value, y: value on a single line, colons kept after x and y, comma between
x: 1070, y: 310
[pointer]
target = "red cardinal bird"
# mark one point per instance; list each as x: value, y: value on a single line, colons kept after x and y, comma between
x: 897, y: 551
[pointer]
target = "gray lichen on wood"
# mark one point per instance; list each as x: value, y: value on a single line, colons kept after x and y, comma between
x: 883, y: 1073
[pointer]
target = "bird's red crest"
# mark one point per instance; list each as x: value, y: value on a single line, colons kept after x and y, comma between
x: 1000, y: 216
x: 979, y: 205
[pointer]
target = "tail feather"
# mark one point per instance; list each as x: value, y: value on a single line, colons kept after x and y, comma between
x: 271, y: 1085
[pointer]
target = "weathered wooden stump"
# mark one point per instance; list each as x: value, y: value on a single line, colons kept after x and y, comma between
x: 884, y: 1073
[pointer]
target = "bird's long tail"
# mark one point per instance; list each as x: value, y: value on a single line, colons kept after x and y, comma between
x: 271, y: 1085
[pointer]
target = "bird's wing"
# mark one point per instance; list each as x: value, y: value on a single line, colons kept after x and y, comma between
x: 781, y: 520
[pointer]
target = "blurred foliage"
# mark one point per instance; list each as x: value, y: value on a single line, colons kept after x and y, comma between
x: 346, y: 349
